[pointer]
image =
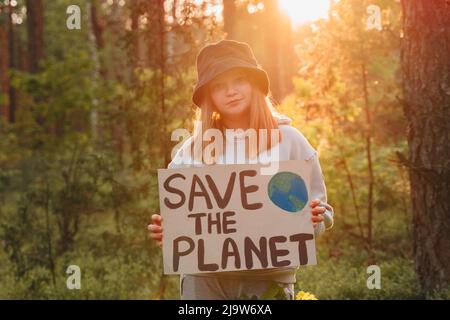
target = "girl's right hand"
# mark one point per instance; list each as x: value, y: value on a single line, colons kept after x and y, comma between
x: 155, y: 229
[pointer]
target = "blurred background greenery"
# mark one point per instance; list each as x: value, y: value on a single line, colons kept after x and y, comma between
x: 87, y: 115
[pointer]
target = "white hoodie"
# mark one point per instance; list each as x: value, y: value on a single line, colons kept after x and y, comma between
x: 293, y: 146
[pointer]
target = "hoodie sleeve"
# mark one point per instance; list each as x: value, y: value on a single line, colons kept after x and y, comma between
x: 302, y: 149
x: 319, y: 191
x: 181, y: 156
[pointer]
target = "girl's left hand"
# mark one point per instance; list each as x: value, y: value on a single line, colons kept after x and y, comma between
x: 317, y: 212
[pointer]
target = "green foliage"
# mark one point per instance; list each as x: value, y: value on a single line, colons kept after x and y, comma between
x: 345, y: 277
x: 78, y: 168
x: 273, y: 292
x: 339, y: 59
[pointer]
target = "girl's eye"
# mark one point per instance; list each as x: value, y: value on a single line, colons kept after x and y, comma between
x: 221, y: 86
x: 218, y: 86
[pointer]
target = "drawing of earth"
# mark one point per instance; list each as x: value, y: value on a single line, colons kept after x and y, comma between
x: 288, y: 191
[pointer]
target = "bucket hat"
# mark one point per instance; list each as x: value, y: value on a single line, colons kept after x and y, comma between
x: 216, y: 58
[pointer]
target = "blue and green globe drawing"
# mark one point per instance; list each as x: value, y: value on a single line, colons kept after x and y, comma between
x: 288, y: 191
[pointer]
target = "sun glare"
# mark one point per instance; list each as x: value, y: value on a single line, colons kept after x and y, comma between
x: 302, y: 11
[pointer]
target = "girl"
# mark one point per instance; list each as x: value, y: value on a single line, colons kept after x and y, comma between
x: 232, y: 93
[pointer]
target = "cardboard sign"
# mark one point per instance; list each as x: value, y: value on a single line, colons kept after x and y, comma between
x: 229, y: 217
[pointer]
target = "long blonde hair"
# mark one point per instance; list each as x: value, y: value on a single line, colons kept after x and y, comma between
x: 262, y: 116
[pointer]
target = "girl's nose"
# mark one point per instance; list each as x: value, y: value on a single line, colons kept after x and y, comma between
x: 231, y: 90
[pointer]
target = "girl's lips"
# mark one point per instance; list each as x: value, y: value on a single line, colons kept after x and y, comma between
x: 234, y: 102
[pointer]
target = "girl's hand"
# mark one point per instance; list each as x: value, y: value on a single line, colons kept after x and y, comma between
x: 317, y: 212
x: 155, y: 229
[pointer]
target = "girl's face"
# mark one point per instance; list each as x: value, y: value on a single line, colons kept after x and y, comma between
x: 231, y: 93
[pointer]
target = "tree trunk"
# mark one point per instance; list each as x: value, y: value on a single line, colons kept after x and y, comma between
x: 272, y: 45
x: 159, y: 59
x: 11, y: 65
x: 278, y: 56
x: 96, y: 26
x: 229, y: 15
x: 369, y: 156
x: 35, y: 27
x: 426, y: 85
x: 157, y: 35
x: 135, y: 34
x: 4, y: 61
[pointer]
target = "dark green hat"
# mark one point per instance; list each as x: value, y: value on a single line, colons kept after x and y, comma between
x: 216, y: 58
